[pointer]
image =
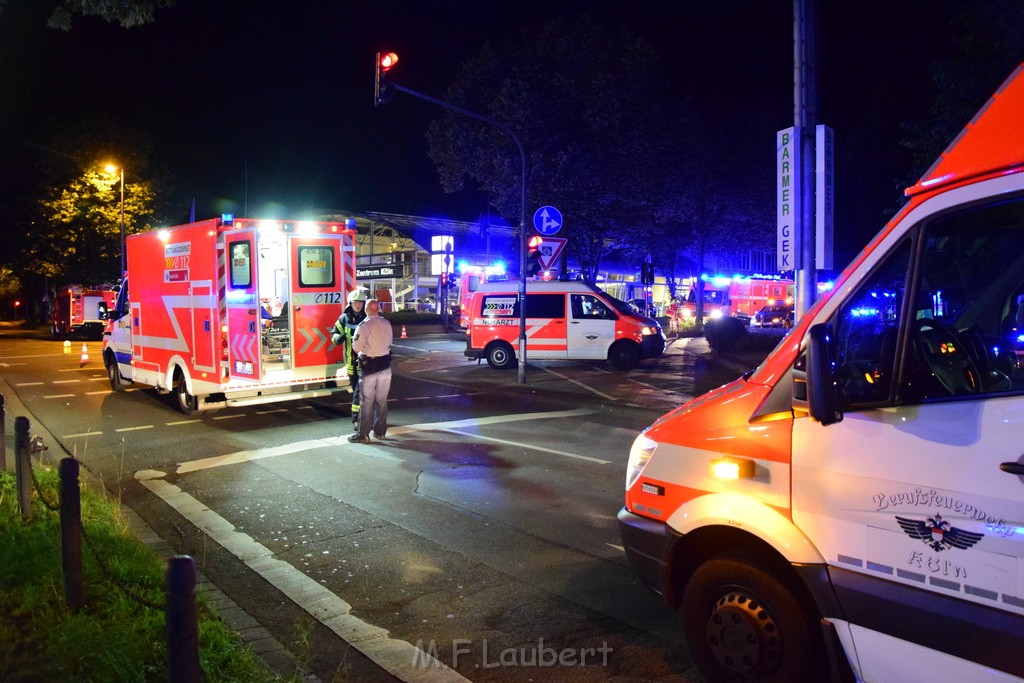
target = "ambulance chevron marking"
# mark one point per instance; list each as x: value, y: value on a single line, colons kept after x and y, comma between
x: 308, y: 337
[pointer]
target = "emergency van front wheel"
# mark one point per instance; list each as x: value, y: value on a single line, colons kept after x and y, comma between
x: 743, y: 623
x: 187, y: 403
x: 114, y: 375
x: 500, y: 355
x: 624, y: 355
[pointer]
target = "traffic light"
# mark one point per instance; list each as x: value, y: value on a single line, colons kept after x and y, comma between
x: 382, y: 83
x: 533, y: 265
x: 647, y: 273
x: 453, y: 280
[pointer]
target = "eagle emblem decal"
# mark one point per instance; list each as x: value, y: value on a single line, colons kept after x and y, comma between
x: 938, y: 534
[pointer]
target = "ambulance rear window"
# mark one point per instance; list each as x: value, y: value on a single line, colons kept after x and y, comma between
x: 241, y: 264
x: 316, y: 266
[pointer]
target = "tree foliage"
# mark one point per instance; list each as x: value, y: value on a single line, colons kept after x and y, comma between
x: 127, y: 13
x: 588, y: 104
x: 77, y: 238
x: 992, y: 43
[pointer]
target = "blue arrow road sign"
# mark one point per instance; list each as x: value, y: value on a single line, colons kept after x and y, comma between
x: 547, y: 220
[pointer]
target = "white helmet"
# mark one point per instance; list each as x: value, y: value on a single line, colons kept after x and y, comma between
x: 357, y: 295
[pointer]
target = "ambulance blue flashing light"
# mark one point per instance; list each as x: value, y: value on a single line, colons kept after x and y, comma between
x: 461, y: 266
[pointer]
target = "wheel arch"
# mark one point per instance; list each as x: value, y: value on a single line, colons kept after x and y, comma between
x: 718, y: 523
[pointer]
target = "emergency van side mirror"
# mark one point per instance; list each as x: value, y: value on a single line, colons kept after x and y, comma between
x: 821, y: 375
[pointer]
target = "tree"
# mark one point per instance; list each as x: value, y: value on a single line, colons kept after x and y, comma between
x: 127, y: 13
x: 992, y: 44
x: 78, y: 234
x: 586, y: 101
x: 712, y: 205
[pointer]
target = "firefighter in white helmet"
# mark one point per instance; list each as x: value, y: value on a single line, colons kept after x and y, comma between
x: 344, y: 329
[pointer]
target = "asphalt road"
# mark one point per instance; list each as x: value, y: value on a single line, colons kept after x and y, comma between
x: 481, y: 533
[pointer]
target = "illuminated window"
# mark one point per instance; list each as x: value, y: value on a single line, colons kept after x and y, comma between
x: 241, y: 264
x: 316, y: 266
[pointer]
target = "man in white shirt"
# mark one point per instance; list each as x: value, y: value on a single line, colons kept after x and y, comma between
x: 372, y: 341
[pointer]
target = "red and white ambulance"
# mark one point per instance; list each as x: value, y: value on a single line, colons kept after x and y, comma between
x: 233, y: 313
x: 855, y: 505
x: 564, y: 320
x: 80, y: 311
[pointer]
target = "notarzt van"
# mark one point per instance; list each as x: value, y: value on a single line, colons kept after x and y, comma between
x: 564, y: 320
x: 855, y: 506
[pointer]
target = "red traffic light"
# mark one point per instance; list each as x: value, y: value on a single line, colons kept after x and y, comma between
x: 387, y: 61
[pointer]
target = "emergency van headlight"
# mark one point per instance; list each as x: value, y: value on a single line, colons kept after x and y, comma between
x: 717, y: 313
x: 639, y: 455
x: 687, y: 313
x: 647, y: 330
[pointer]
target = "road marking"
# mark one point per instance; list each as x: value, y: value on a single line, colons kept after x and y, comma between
x: 98, y: 379
x: 97, y: 393
x: 182, y: 422
x: 133, y: 429
x: 60, y: 396
x: 617, y: 547
x: 229, y: 417
x: 269, y: 412
x: 581, y: 384
x: 29, y: 384
x: 448, y: 396
x: 398, y: 657
x: 66, y: 381
x: 7, y: 365
x: 78, y: 370
x: 523, y: 445
x: 39, y: 355
x: 299, y: 446
x: 75, y: 436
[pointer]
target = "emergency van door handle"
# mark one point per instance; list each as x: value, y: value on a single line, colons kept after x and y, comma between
x: 1012, y: 468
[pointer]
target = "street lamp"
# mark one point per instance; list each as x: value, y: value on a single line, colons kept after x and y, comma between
x: 110, y: 168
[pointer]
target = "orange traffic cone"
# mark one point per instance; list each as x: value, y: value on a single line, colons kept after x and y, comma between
x: 404, y: 333
x: 85, y: 354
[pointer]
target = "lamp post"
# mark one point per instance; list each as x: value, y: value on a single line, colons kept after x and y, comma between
x: 114, y: 169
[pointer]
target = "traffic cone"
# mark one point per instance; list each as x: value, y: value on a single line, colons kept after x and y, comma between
x: 85, y: 354
x: 405, y: 335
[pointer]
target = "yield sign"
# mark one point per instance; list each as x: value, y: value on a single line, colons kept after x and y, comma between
x: 549, y: 250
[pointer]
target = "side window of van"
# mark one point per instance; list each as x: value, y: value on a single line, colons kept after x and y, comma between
x: 867, y: 332
x: 967, y: 331
x: 588, y: 306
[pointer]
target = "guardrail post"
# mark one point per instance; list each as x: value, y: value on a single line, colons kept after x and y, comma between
x: 23, y: 466
x: 3, y: 435
x: 182, y: 621
x: 71, y: 534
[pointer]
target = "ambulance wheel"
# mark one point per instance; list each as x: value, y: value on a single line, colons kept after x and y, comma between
x: 187, y: 403
x: 117, y: 383
x: 624, y: 355
x: 500, y: 355
x: 743, y: 623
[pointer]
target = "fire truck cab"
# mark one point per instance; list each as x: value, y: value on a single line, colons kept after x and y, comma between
x: 232, y: 313
x: 855, y: 505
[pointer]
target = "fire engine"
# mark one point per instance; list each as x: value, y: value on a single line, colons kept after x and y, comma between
x: 80, y: 311
x: 232, y: 312
x: 852, y: 508
x: 470, y: 279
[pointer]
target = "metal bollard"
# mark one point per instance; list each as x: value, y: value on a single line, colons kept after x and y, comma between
x: 182, y: 621
x: 23, y: 466
x: 3, y: 435
x: 71, y: 534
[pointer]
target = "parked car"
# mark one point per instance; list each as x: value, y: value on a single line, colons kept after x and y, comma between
x: 773, y: 316
x: 425, y: 305
x: 643, y: 308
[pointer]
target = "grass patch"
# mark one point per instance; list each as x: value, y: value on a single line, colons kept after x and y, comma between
x: 113, y: 638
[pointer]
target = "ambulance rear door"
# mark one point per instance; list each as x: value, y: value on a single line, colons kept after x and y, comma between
x: 241, y: 287
x: 319, y: 283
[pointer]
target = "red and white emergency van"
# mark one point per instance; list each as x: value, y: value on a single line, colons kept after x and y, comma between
x: 233, y: 313
x: 856, y: 503
x: 81, y: 311
x: 564, y: 320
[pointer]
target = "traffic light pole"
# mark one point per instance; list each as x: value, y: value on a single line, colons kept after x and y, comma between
x: 522, y: 209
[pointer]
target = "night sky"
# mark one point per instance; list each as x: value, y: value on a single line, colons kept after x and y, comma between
x: 280, y: 93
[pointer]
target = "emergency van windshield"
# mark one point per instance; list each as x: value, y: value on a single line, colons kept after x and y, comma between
x: 965, y: 304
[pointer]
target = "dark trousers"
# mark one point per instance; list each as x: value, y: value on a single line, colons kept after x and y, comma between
x: 353, y: 381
